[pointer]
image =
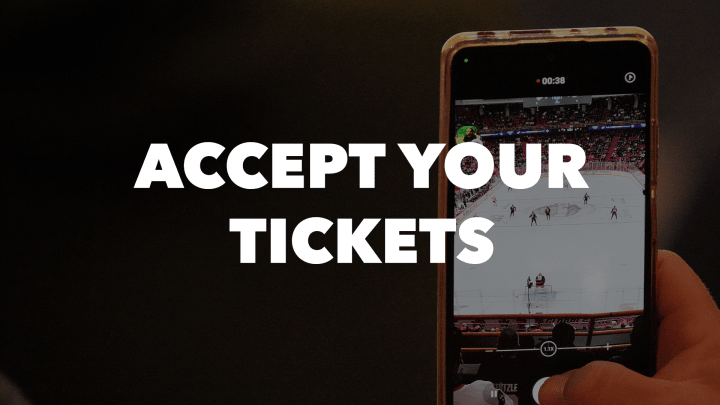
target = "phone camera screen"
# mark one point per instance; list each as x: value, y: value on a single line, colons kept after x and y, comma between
x: 566, y: 282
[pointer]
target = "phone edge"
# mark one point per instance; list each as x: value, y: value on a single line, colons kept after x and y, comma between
x: 491, y: 38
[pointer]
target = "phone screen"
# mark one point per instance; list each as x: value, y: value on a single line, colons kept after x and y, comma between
x: 568, y: 280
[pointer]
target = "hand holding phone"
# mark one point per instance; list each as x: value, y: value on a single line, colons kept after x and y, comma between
x: 688, y: 348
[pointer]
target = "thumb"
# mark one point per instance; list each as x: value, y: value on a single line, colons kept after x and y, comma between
x: 603, y: 383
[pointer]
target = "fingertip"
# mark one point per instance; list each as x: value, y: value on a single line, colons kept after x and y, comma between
x: 551, y: 391
x: 667, y: 255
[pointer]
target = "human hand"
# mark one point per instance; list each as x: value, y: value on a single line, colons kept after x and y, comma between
x: 688, y: 358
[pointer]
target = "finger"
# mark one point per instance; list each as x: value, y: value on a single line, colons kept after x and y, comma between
x: 551, y: 391
x: 603, y: 383
x: 680, y: 290
x: 684, y: 303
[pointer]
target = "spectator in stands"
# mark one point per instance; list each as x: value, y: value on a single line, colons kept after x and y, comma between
x: 510, y: 370
x: 508, y: 340
x: 493, y: 119
x: 639, y: 355
x: 478, y: 392
x: 563, y: 335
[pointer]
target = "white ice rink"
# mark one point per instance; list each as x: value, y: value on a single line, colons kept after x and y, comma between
x: 592, y: 263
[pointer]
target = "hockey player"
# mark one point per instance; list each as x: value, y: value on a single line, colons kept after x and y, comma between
x: 512, y: 210
x: 586, y: 198
x: 533, y: 218
x: 540, y: 280
x: 547, y: 213
x: 529, y: 283
x: 613, y: 212
x: 494, y: 201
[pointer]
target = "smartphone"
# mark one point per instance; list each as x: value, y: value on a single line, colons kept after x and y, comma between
x: 571, y: 276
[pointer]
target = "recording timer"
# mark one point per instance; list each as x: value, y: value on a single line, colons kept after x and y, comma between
x: 551, y: 80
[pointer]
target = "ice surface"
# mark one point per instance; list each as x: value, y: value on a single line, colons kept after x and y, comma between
x: 594, y: 264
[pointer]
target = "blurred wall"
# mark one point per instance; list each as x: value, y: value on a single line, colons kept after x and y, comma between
x: 116, y: 295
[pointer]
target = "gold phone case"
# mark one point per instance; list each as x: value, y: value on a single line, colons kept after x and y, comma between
x: 494, y: 38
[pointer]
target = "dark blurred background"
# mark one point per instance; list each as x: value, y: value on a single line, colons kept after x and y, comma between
x: 115, y: 295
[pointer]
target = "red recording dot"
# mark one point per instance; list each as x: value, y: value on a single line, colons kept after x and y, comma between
x: 537, y: 81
